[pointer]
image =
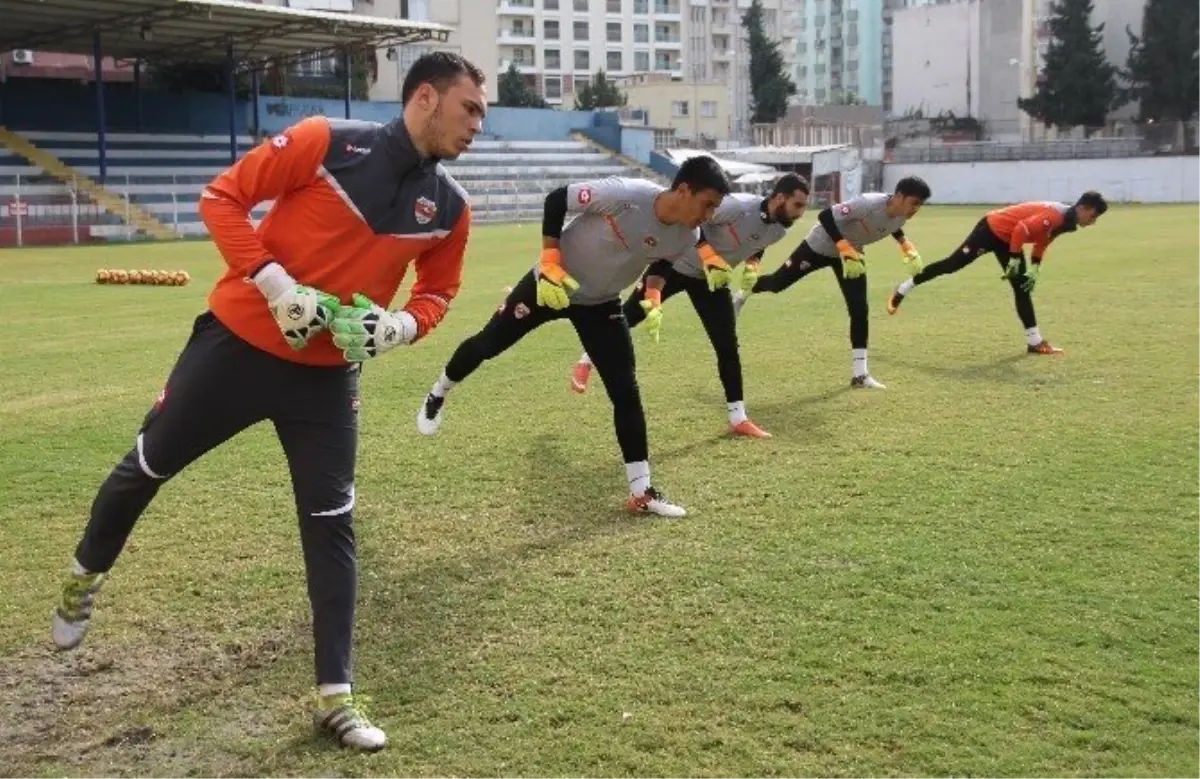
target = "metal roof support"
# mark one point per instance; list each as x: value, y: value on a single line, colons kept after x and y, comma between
x: 101, y: 119
x: 347, y: 78
x: 231, y: 84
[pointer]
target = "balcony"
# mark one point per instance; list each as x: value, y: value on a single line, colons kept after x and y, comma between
x: 523, y: 36
x: 673, y: 42
x: 510, y: 8
x: 722, y: 55
x: 667, y: 12
x: 524, y: 66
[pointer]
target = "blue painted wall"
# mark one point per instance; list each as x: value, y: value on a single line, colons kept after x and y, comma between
x: 637, y: 142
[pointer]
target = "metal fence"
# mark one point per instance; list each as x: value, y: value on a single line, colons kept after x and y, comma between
x: 41, y: 210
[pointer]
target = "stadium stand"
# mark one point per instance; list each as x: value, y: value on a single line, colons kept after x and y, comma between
x: 164, y: 175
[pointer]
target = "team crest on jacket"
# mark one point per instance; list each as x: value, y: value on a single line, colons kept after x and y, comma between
x: 651, y: 241
x: 425, y: 210
x: 585, y: 195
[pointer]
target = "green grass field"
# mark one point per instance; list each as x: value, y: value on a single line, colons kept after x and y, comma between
x: 988, y: 569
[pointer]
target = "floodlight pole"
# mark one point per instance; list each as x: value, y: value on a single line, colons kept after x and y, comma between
x: 101, y: 140
x: 347, y: 75
x: 230, y: 79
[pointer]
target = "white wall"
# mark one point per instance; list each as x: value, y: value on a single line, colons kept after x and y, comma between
x: 1138, y: 179
x: 935, y: 54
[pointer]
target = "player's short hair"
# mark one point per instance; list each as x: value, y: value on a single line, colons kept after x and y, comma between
x: 913, y: 186
x: 789, y: 183
x: 702, y: 172
x: 439, y: 69
x: 1093, y: 200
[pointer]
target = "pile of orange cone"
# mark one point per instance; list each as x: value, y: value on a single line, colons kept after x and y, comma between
x: 167, y: 278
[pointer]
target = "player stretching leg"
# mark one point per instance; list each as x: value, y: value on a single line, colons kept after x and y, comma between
x: 837, y: 242
x: 354, y: 202
x: 623, y: 225
x: 1004, y: 232
x: 743, y: 227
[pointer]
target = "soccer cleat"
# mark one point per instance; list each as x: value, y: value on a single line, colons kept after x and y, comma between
x: 73, y: 616
x: 894, y: 301
x: 739, y: 300
x: 580, y: 376
x: 429, y: 417
x: 652, y: 502
x: 1043, y: 347
x: 866, y: 381
x: 339, y: 716
x: 748, y: 429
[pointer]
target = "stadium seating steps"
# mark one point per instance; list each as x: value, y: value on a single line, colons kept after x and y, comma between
x: 164, y: 174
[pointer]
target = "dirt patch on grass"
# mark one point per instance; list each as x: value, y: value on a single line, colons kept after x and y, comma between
x: 100, y: 710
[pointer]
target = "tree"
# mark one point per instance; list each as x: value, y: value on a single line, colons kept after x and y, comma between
x: 601, y: 93
x: 770, y: 86
x: 514, y: 92
x: 1078, y: 86
x: 1163, y: 70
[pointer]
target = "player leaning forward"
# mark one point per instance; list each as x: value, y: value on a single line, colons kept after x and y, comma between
x: 355, y: 202
x: 837, y: 241
x: 622, y: 226
x: 743, y: 227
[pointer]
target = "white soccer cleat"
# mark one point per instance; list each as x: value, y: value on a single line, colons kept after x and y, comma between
x: 866, y: 382
x: 652, y: 502
x: 73, y: 616
x: 429, y: 416
x: 341, y: 718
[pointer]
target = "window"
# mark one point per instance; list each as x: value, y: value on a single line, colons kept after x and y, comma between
x: 664, y: 34
x: 552, y: 59
x: 520, y: 30
x: 580, y: 5
x: 581, y: 31
x: 613, y: 6
x: 613, y: 60
x: 708, y: 109
x: 550, y: 29
x: 662, y: 61
x: 583, y: 59
x: 550, y: 5
x: 613, y: 30
x: 553, y: 87
x: 641, y: 33
x: 641, y: 6
x: 679, y: 108
x: 641, y: 61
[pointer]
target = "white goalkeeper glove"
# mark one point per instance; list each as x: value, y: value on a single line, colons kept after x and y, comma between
x: 366, y: 330
x: 301, y: 312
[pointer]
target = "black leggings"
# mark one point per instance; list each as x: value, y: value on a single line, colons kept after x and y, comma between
x: 804, y: 261
x: 219, y: 386
x: 982, y: 241
x: 605, y: 336
x: 715, y: 310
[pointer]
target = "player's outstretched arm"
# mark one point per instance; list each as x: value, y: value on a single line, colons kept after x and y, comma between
x: 912, y: 257
x: 286, y: 163
x: 553, y: 280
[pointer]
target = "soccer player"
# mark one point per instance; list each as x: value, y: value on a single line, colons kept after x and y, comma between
x: 837, y: 241
x: 1004, y: 232
x: 288, y: 326
x: 742, y: 228
x: 622, y: 226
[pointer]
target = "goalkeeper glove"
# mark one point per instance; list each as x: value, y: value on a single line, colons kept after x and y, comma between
x: 853, y: 265
x: 1031, y: 277
x: 716, y: 270
x: 1013, y: 269
x: 912, y: 257
x: 652, y: 305
x: 553, y: 281
x: 749, y: 276
x: 301, y: 312
x: 366, y: 330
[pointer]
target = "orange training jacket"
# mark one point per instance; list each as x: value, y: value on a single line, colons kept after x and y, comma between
x: 1038, y: 223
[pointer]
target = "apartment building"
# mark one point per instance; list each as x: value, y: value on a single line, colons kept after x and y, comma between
x: 840, y: 51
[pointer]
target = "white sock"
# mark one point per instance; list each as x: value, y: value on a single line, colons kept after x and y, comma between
x: 1033, y: 335
x: 737, y: 413
x: 859, y: 362
x: 442, y: 386
x: 639, y: 477
x: 334, y: 689
x: 906, y: 286
x: 78, y: 570
x: 585, y: 360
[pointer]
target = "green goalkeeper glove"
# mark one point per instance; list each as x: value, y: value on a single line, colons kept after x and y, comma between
x: 652, y: 305
x: 853, y: 265
x: 1013, y: 269
x: 1031, y: 278
x: 301, y: 312
x: 749, y: 276
x: 367, y: 330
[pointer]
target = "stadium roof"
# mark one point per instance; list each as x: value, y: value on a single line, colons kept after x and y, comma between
x: 197, y: 30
